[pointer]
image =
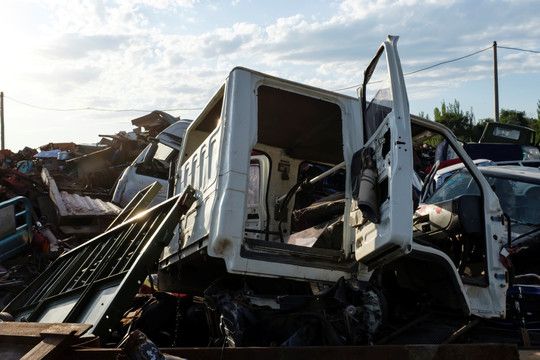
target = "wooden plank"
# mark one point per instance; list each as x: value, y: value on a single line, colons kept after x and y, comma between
x: 38, y: 330
x: 20, y: 329
x: 66, y: 329
x: 29, y: 340
x: 81, y: 229
x: 48, y: 348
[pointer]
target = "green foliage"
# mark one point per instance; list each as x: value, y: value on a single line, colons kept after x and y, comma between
x: 536, y: 123
x: 462, y: 123
x: 424, y: 115
x: 519, y: 118
x: 459, y: 122
x: 514, y: 117
x: 434, y: 140
x: 536, y: 128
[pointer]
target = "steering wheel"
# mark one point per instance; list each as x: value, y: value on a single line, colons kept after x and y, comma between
x: 429, y: 182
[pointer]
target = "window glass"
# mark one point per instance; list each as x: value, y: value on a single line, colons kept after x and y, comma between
x: 460, y: 183
x: 253, y: 197
x: 163, y: 154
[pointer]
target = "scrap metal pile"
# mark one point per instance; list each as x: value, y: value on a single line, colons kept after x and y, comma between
x: 56, y: 198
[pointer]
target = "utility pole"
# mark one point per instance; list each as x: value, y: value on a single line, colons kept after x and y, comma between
x: 495, y: 81
x: 2, y: 119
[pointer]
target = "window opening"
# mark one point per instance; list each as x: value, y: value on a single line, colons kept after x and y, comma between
x: 449, y: 215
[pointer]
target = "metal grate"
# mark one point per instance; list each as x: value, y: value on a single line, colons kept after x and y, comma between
x: 95, y: 282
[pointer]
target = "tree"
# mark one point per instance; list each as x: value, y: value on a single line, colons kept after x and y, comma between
x: 536, y: 124
x: 459, y: 122
x: 424, y: 115
x: 514, y: 117
x: 519, y: 118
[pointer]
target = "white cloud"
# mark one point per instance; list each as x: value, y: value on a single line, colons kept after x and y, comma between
x: 175, y: 54
x: 164, y: 4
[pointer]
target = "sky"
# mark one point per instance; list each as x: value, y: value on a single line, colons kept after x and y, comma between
x: 72, y: 70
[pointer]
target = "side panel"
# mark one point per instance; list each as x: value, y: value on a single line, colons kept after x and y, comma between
x: 201, y: 171
x: 238, y: 138
x: 199, y: 167
x: 216, y: 163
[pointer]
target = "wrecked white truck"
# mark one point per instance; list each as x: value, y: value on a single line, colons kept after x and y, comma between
x: 300, y: 233
x: 304, y: 217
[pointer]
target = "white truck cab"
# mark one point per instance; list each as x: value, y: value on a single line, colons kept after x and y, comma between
x: 300, y: 185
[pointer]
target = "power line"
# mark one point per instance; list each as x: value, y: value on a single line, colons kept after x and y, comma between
x: 447, y: 61
x: 93, y: 108
x: 450, y: 61
x: 517, y: 49
x: 341, y: 89
x: 427, y: 68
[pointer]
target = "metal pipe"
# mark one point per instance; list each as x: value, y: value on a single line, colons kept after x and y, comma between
x: 496, y: 81
x: 316, y: 178
x: 327, y: 172
x: 3, y: 143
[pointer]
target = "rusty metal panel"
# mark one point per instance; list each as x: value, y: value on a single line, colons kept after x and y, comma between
x: 77, y: 205
x: 73, y: 205
x: 156, y: 121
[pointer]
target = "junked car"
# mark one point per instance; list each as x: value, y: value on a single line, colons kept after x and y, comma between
x: 499, y: 142
x: 444, y: 173
x: 518, y: 190
x: 517, y: 187
x: 152, y: 164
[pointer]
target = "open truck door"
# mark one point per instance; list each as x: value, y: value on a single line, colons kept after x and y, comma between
x: 464, y: 257
x: 382, y: 170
